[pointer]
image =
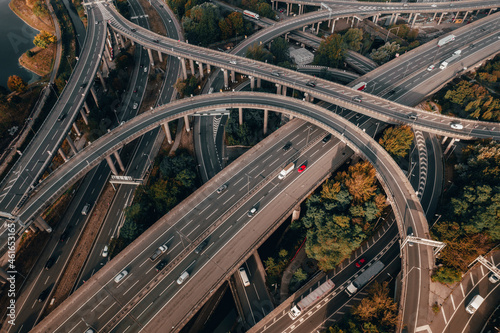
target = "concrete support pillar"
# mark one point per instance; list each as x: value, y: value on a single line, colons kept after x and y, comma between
x: 374, y: 19
x: 440, y: 18
x: 42, y: 225
x: 333, y: 25
x: 132, y: 42
x: 306, y: 97
x: 465, y: 16
x: 208, y: 69
x: 184, y: 70
x: 119, y: 160
x: 266, y: 114
x: 287, y: 9
x: 167, y: 132
x: 491, y: 9
x: 233, y: 76
x: 258, y: 82
x: 392, y: 18
x: 284, y: 90
x: 99, y: 75
x: 191, y: 66
x: 452, y: 141
x: 278, y: 88
x: 352, y: 23
x: 317, y: 29
x: 200, y: 68
x: 409, y: 17
x: 84, y: 116
x: 77, y: 131
x: 86, y: 106
x: 150, y: 54
x: 63, y: 155
x: 240, y: 116
x: 444, y: 140
x: 106, y: 51
x: 94, y: 94
x: 252, y: 83
x: 414, y: 19
x: 186, y: 123
x: 396, y: 18
x: 434, y: 17
x: 226, y: 83
x: 105, y: 64
x: 160, y: 56
x: 71, y: 145
x: 120, y: 40
x: 111, y: 165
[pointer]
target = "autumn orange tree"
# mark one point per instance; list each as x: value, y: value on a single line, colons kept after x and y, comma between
x: 15, y: 83
x: 340, y: 217
x: 44, y: 39
x: 397, y: 140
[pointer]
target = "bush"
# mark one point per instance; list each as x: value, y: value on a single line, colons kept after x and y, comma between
x: 446, y: 275
x: 30, y: 53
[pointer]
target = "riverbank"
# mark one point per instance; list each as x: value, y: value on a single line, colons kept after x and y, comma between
x: 25, y: 13
x: 41, y: 62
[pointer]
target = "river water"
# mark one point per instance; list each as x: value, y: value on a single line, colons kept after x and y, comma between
x: 16, y: 37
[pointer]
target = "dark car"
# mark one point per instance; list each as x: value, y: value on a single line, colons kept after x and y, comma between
x: 50, y: 263
x: 327, y: 138
x: 161, y: 265
x: 201, y: 246
x: 156, y: 41
x: 61, y: 117
x: 64, y: 236
x: 83, y: 85
x: 133, y: 29
x: 44, y: 294
x: 287, y: 146
x: 311, y: 84
x: 360, y: 262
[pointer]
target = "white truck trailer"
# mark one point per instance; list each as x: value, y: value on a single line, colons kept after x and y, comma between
x: 289, y: 168
x: 448, y: 61
x: 363, y: 279
x: 446, y: 40
x: 310, y: 299
x: 474, y: 304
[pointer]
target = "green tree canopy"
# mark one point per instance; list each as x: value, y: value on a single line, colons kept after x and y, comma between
x: 201, y: 24
x: 279, y: 49
x: 258, y: 52
x: 331, y: 52
x: 44, y: 39
x: 353, y: 38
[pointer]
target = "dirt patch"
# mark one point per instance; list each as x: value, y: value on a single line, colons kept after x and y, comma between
x: 25, y: 13
x: 41, y: 62
x: 155, y: 22
x: 85, y: 243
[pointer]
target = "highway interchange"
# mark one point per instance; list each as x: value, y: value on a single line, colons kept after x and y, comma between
x: 325, y: 87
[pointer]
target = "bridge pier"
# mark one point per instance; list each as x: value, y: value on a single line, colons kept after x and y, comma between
x: 63, y: 155
x: 105, y: 64
x: 444, y: 140
x: 284, y: 90
x: 111, y: 165
x: 434, y: 17
x: 160, y: 56
x: 84, y: 116
x: 86, y: 106
x: 77, y: 131
x: 240, y: 116
x: 167, y: 133
x: 266, y: 114
x: 226, y: 83
x: 491, y: 9
x: 333, y: 24
x: 186, y: 123
x: 233, y: 76
x: 258, y: 82
x: 106, y: 52
x: 71, y: 145
x: 287, y: 9
x: 414, y: 19
x: 465, y: 16
x: 278, y: 89
x: 452, y: 141
x: 440, y: 18
x: 200, y: 68
x: 208, y: 69
x: 252, y: 83
x: 396, y: 18
x: 191, y: 66
x: 94, y: 94
x: 119, y: 40
x: 119, y: 160
x: 99, y: 75
x: 184, y: 70
x: 317, y: 29
x: 42, y: 225
x: 151, y: 60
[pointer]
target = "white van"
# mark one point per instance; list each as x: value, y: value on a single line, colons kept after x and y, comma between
x: 474, y: 304
x: 184, y: 276
x: 244, y: 277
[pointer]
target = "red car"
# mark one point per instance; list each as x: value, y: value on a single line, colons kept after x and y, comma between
x: 302, y: 168
x: 360, y: 263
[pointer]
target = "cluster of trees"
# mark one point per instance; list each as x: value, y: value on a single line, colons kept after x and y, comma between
x: 188, y: 86
x: 469, y: 224
x: 261, y: 7
x: 278, y: 54
x: 332, y: 51
x: 397, y: 140
x: 385, y: 53
x: 172, y: 181
x: 375, y: 313
x: 40, y: 8
x: 250, y: 132
x: 471, y: 100
x: 490, y: 73
x: 341, y: 217
x: 44, y: 39
x: 16, y: 83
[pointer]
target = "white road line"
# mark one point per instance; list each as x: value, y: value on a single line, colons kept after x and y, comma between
x: 125, y: 330
x: 453, y: 302
x: 225, y: 231
x: 130, y: 287
x: 99, y: 303
x: 145, y: 310
x: 212, y: 214
x: 462, y: 288
x: 472, y: 279
x: 109, y: 307
x: 166, y: 288
x: 228, y: 200
x: 193, y: 230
